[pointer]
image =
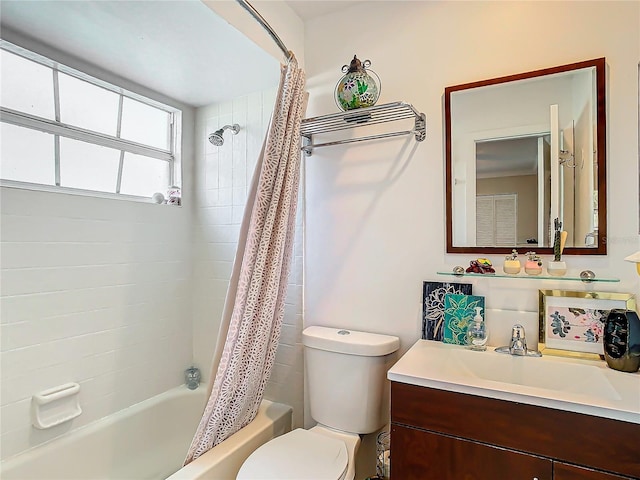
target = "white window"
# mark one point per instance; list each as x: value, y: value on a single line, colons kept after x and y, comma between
x: 62, y: 129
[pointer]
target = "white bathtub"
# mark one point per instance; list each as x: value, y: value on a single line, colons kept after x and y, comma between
x: 147, y: 441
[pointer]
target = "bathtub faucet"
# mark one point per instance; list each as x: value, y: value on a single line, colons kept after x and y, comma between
x: 192, y: 377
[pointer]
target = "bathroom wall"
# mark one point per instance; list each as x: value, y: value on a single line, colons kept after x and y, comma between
x: 223, y: 175
x: 94, y: 291
x: 375, y: 211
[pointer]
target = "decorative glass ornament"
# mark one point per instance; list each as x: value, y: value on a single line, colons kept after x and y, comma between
x: 357, y: 89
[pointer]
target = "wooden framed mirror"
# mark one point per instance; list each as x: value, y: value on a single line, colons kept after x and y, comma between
x: 522, y: 150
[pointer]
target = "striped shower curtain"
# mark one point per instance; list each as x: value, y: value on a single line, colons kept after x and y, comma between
x: 254, y: 306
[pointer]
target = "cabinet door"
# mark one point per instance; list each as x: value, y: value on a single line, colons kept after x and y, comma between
x: 562, y: 471
x: 420, y: 455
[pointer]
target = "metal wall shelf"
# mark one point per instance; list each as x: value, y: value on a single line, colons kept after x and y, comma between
x: 389, y: 112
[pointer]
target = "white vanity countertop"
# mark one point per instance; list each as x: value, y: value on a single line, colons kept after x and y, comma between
x: 582, y: 386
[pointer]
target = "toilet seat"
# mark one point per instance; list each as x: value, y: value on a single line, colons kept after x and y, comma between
x: 297, y: 455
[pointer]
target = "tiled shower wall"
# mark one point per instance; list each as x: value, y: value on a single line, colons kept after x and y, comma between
x: 94, y: 291
x: 222, y: 177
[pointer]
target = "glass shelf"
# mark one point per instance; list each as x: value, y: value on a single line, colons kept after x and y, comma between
x: 531, y: 277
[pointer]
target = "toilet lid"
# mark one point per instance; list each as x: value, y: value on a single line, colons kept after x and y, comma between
x: 299, y: 455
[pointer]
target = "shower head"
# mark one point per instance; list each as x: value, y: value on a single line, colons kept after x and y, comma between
x: 216, y: 137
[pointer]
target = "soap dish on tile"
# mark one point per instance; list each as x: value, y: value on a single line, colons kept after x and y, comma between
x: 55, y: 406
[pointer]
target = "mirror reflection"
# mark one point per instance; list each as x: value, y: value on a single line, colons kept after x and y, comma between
x: 522, y: 151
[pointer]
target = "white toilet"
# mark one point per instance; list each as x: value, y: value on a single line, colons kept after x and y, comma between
x: 346, y: 378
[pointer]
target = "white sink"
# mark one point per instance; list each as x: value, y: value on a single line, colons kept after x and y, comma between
x: 580, y: 385
x: 526, y: 371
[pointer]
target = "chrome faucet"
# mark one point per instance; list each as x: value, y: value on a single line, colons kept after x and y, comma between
x: 518, y: 344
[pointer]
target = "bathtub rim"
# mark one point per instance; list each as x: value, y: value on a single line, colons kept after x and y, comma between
x: 19, y: 459
x: 224, y: 460
x: 273, y: 419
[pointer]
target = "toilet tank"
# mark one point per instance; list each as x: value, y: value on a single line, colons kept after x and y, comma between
x: 346, y: 377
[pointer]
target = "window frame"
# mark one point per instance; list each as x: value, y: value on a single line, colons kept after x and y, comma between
x: 58, y: 129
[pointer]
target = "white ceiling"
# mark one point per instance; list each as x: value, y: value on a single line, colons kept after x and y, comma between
x: 507, y: 157
x: 180, y: 49
x: 310, y: 9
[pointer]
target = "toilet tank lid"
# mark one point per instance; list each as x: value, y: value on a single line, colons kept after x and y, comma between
x: 351, y: 342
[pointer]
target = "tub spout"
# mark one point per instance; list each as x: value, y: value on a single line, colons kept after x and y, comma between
x: 192, y: 377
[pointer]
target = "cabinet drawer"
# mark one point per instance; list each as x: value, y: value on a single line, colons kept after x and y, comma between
x: 562, y: 471
x: 596, y: 442
x: 420, y: 455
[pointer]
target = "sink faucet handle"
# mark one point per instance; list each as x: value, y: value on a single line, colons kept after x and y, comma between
x: 517, y: 331
x: 518, y: 345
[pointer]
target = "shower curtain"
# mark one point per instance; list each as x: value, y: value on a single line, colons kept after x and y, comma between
x: 254, y: 307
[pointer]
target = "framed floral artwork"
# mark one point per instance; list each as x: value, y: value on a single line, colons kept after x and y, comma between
x: 433, y: 294
x: 572, y: 323
x: 459, y: 311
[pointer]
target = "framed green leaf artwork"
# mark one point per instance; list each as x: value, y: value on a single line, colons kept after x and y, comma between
x: 459, y: 311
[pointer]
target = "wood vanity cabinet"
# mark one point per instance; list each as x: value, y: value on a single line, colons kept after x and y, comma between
x: 562, y: 471
x: 441, y: 435
x: 418, y: 454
